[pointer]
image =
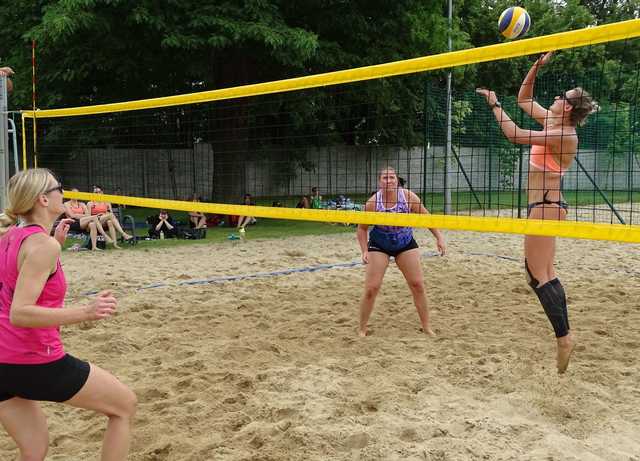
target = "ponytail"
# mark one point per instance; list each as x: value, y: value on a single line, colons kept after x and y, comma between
x: 23, y: 191
x: 7, y: 219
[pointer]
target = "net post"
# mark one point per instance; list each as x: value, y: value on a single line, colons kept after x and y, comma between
x: 521, y: 150
x: 425, y: 145
x: 4, y: 141
x: 447, y: 154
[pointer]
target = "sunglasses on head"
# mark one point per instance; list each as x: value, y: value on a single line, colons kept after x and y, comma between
x: 59, y: 188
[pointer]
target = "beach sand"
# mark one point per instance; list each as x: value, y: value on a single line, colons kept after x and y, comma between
x: 271, y: 367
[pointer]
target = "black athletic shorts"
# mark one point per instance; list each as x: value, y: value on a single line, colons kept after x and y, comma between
x: 374, y: 246
x: 56, y: 381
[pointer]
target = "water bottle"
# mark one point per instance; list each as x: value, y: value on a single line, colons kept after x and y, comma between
x: 161, y: 235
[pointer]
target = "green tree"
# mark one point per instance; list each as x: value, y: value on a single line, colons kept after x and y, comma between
x: 101, y: 51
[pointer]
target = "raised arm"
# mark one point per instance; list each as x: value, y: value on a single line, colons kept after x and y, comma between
x: 525, y: 95
x: 517, y: 135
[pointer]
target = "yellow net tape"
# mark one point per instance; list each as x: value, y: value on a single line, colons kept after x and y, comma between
x: 563, y: 40
x: 568, y: 229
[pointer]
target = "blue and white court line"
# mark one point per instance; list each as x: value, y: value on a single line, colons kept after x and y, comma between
x: 279, y: 273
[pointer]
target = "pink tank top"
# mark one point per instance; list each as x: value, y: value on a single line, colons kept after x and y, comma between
x: 27, y: 345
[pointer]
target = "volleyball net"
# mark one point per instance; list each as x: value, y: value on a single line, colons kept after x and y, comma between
x: 335, y: 131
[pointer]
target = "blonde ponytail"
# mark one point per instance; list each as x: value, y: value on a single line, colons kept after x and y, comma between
x: 23, y: 191
x: 7, y: 219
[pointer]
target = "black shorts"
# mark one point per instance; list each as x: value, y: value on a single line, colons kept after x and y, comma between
x: 56, y: 381
x: 75, y: 226
x: 373, y: 246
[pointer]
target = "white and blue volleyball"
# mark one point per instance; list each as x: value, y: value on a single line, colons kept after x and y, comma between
x: 514, y: 22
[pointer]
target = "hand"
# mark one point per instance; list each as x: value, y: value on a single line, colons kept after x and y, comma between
x: 102, y: 307
x: 489, y: 95
x: 62, y: 229
x: 442, y: 246
x: 8, y: 72
x: 544, y: 59
x: 365, y: 257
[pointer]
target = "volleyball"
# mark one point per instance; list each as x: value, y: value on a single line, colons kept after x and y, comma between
x: 514, y: 22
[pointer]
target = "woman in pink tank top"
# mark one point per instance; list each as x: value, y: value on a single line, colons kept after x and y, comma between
x: 553, y: 150
x: 33, y: 363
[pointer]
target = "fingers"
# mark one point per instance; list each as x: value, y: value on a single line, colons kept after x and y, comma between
x: 63, y: 226
x: 107, y: 300
x: 484, y: 92
x: 107, y: 297
x: 545, y: 57
x: 106, y: 294
x: 102, y: 307
x: 105, y: 305
x: 103, y: 312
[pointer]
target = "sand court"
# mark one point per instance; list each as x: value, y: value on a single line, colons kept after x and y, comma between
x: 271, y: 367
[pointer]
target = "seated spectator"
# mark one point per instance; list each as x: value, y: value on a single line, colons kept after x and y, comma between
x: 214, y: 220
x: 83, y: 221
x: 162, y: 223
x: 116, y: 207
x: 243, y: 221
x: 197, y: 220
x: 105, y: 215
x: 316, y: 198
x: 303, y: 203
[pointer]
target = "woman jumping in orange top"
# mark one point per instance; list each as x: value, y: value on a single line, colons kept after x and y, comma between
x: 552, y: 152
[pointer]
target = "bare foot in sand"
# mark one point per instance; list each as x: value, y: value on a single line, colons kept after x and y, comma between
x: 428, y: 331
x: 566, y: 345
x: 362, y: 332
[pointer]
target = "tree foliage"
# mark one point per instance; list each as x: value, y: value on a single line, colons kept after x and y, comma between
x: 101, y: 51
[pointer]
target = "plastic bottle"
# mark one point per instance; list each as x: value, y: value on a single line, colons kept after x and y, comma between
x: 161, y: 235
